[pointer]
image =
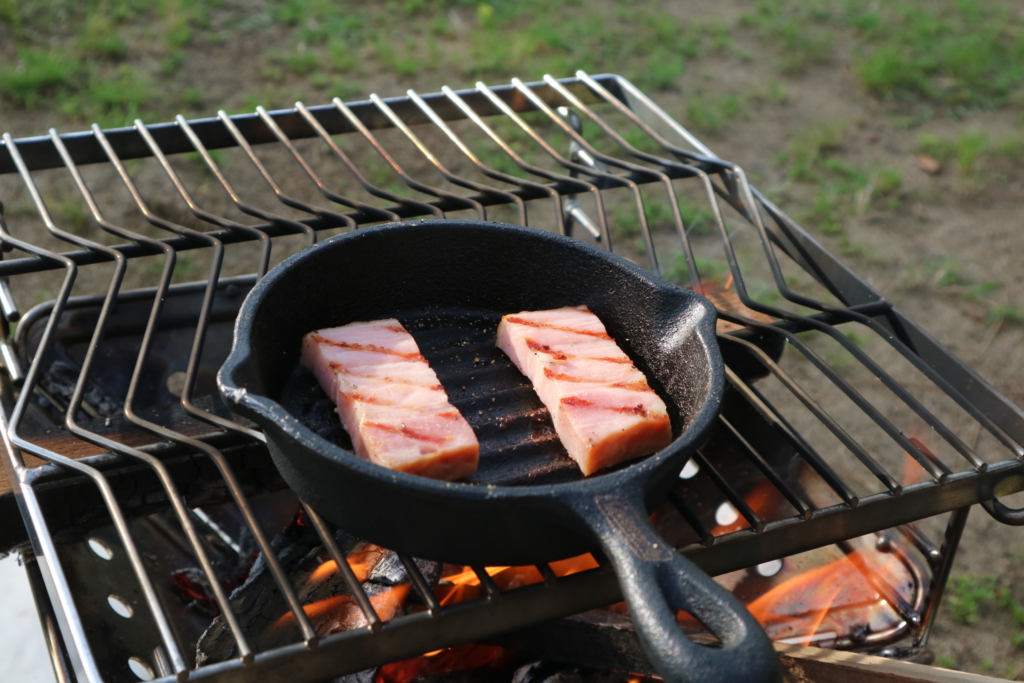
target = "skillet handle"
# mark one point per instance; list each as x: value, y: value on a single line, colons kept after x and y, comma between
x: 657, y: 582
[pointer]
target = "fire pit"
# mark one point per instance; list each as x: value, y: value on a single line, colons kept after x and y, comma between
x: 148, y: 506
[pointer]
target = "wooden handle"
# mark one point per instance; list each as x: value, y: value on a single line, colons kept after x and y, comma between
x: 814, y: 665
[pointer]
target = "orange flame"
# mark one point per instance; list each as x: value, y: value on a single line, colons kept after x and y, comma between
x: 462, y: 583
x: 812, y: 602
x: 800, y: 609
x: 362, y: 562
x: 762, y: 499
x: 341, y: 612
x: 809, y: 595
x: 816, y: 601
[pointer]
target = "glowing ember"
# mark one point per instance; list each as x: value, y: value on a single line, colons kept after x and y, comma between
x: 818, y: 596
x: 341, y: 612
x: 461, y: 658
x: 194, y: 593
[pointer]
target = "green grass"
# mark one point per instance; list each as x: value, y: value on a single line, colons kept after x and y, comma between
x: 969, y: 147
x: 712, y: 115
x: 970, y: 150
x: 935, y: 146
x: 859, y: 339
x: 825, y: 212
x: 341, y: 56
x: 662, y: 70
x: 888, y: 182
x: 980, y: 290
x: 102, y: 39
x: 112, y: 52
x: 302, y: 62
x: 947, y: 54
x: 70, y: 215
x: 218, y: 156
x: 192, y: 96
x: 837, y: 188
x: 115, y: 99
x: 170, y: 65
x: 697, y: 218
x: 964, y: 53
x: 710, y: 270
x: 811, y: 149
x: 848, y: 247
x: 794, y: 30
x: 947, y: 271
x: 640, y: 140
x: 624, y: 222
x: 36, y: 75
x: 1013, y: 315
x: 966, y: 595
x: 950, y: 275
x: 777, y: 93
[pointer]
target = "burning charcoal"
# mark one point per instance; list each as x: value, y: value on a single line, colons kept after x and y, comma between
x: 556, y: 672
x: 319, y: 586
x: 597, y: 639
x: 390, y: 571
x: 468, y: 663
x: 365, y: 676
x: 195, y: 591
x: 60, y: 379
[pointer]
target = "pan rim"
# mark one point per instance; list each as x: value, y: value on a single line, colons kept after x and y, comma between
x: 267, y: 412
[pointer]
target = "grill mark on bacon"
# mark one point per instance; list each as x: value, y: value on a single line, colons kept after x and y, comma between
x: 355, y: 396
x: 639, y: 386
x: 363, y: 398
x: 343, y: 369
x: 531, y: 323
x: 578, y: 402
x: 408, y: 433
x: 368, y: 347
x: 561, y: 355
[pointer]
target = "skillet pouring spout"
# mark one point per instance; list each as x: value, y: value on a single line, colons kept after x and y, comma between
x: 449, y: 282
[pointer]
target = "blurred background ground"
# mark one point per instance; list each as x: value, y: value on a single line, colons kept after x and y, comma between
x: 893, y: 131
x: 24, y: 656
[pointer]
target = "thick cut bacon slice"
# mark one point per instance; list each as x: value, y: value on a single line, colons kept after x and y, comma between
x: 602, y: 407
x: 389, y: 400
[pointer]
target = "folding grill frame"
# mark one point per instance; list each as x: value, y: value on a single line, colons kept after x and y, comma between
x: 230, y: 445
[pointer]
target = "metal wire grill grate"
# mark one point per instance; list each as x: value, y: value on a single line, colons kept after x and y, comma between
x: 115, y: 222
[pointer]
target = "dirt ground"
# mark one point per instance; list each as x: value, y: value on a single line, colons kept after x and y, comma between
x: 943, y: 244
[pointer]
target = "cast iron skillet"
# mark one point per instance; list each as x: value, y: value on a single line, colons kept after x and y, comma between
x: 449, y: 282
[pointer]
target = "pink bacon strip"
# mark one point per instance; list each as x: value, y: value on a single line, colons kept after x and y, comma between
x: 390, y: 401
x: 603, y: 409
